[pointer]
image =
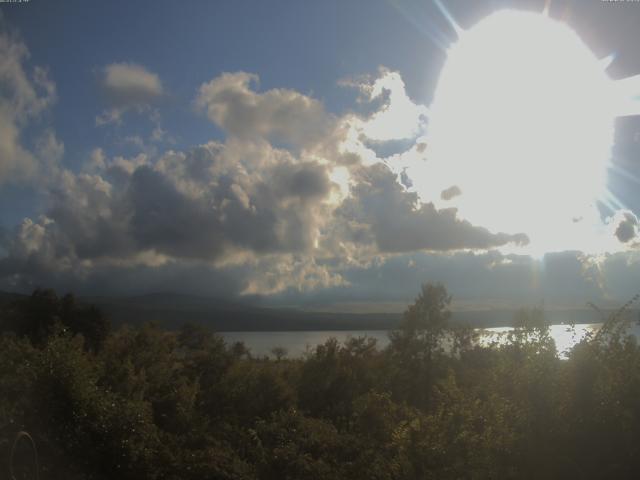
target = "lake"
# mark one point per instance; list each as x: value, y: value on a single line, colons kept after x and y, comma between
x: 298, y: 342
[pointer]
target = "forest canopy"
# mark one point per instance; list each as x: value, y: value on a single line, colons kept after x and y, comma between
x: 435, y: 403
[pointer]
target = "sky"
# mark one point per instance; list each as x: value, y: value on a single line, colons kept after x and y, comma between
x: 308, y: 153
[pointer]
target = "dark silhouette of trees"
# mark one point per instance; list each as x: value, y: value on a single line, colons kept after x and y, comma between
x: 37, y: 316
x: 419, y: 340
x: 435, y: 404
x: 279, y: 353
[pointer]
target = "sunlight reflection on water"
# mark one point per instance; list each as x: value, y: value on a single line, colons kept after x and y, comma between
x: 297, y: 343
x: 564, y: 336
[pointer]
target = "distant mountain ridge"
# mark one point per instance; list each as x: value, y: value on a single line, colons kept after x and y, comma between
x: 8, y: 297
x: 170, y: 311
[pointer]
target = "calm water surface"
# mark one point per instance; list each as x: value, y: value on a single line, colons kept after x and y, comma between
x: 297, y: 343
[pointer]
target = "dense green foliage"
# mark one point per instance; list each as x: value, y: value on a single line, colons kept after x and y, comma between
x: 435, y: 404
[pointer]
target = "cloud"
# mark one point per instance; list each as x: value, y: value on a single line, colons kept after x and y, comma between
x: 396, y: 117
x: 295, y: 203
x: 274, y: 219
x: 24, y: 95
x: 626, y: 226
x: 620, y: 274
x: 293, y: 272
x: 398, y: 222
x: 450, y: 192
x: 211, y: 204
x: 477, y: 280
x: 247, y: 207
x: 280, y: 115
x: 390, y: 130
x: 127, y: 86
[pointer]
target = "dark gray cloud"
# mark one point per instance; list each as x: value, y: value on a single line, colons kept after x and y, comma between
x: 216, y: 203
x: 170, y: 222
x: 175, y: 277
x: 202, y: 205
x: 620, y: 274
x: 308, y: 181
x: 450, y: 192
x: 627, y: 227
x: 477, y: 280
x: 399, y: 222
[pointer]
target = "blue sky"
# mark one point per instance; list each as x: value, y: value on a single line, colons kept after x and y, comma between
x: 142, y: 91
x: 306, y: 47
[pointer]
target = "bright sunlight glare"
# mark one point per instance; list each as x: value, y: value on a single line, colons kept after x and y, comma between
x: 522, y: 122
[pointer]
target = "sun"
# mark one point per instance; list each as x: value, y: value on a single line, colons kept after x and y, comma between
x: 522, y: 123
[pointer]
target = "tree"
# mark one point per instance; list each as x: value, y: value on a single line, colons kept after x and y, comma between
x: 38, y: 316
x: 89, y: 321
x: 420, y: 337
x: 279, y: 353
x: 424, y: 322
x: 35, y: 316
